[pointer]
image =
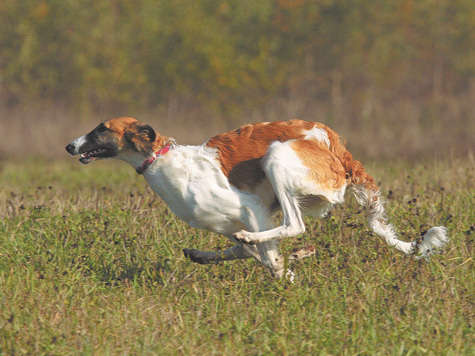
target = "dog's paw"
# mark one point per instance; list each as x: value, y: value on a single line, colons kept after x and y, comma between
x: 243, y: 237
x: 302, y: 252
x: 193, y: 255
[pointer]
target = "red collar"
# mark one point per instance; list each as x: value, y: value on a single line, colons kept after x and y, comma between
x: 150, y: 160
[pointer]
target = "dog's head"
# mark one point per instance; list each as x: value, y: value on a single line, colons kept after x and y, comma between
x: 124, y: 138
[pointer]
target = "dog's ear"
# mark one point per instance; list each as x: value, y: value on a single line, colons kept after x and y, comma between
x: 141, y: 137
x: 148, y: 131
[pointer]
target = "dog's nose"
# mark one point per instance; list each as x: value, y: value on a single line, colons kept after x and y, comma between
x: 70, y: 148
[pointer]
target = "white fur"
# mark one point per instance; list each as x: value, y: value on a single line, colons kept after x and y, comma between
x: 77, y: 143
x: 435, y: 239
x: 319, y: 135
x: 190, y: 180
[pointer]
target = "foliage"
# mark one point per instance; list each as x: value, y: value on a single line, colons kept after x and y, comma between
x: 117, y: 53
x: 91, y: 263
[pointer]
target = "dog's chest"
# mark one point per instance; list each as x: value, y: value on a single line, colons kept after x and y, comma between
x: 196, y: 190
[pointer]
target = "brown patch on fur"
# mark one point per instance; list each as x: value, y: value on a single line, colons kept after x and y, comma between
x: 355, y: 172
x: 241, y: 150
x: 120, y: 125
x: 324, y: 166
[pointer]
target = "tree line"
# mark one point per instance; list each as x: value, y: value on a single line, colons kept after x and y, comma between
x: 96, y: 54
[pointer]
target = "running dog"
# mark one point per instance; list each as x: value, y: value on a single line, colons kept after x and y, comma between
x: 235, y: 182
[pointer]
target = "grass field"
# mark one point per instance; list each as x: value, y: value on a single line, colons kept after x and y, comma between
x: 91, y: 263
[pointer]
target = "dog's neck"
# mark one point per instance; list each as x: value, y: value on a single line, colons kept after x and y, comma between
x: 143, y: 158
x: 170, y: 144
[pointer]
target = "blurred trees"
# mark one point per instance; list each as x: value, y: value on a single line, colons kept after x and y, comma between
x: 97, y: 54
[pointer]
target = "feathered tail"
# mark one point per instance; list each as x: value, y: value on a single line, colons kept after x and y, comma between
x: 362, y: 185
x: 368, y: 195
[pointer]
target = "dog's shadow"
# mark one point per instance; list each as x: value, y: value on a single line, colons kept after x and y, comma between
x: 122, y: 272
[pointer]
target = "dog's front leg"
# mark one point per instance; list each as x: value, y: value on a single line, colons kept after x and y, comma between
x: 236, y: 252
x: 266, y: 253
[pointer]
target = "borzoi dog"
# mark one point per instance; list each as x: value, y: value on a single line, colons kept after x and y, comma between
x: 235, y: 182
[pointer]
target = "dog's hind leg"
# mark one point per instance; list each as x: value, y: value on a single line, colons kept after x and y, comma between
x: 286, y: 175
x: 299, y: 171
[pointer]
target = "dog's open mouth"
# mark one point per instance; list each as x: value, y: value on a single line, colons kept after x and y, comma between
x: 89, y: 156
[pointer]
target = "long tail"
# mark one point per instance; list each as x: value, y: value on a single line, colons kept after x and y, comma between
x: 367, y: 194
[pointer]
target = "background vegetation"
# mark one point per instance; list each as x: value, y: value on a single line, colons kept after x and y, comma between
x: 396, y: 76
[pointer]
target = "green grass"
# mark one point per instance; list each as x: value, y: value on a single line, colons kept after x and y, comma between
x: 91, y: 263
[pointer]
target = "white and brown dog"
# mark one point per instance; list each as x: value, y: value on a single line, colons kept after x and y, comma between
x: 235, y: 181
